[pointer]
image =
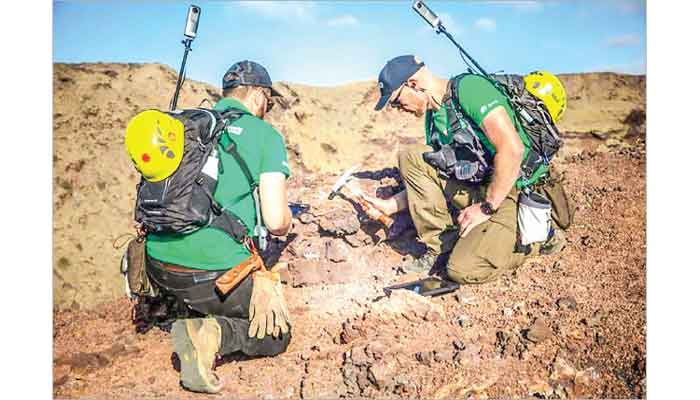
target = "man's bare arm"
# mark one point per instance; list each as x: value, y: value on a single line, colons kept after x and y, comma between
x: 273, y: 202
x: 392, y: 205
x: 509, y: 154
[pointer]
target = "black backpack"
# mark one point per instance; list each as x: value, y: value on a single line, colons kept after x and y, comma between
x: 184, y: 202
x: 467, y: 153
x: 535, y: 120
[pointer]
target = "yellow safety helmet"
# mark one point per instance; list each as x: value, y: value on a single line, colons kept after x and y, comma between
x: 549, y: 89
x: 156, y: 142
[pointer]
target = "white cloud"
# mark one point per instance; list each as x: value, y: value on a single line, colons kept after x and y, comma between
x: 636, y: 68
x: 344, y: 20
x: 527, y: 6
x: 485, y: 24
x: 282, y: 10
x: 622, y: 40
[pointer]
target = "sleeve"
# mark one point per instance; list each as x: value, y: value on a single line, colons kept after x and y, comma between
x: 478, y: 97
x: 274, y: 154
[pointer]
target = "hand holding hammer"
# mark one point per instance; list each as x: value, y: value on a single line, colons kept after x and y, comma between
x: 356, y: 195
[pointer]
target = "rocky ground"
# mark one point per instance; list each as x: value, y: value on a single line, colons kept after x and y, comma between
x: 567, y: 325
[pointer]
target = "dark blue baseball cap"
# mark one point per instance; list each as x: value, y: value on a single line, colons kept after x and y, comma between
x: 394, y: 74
x: 247, y: 73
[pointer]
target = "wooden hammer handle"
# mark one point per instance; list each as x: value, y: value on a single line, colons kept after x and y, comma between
x: 383, y: 218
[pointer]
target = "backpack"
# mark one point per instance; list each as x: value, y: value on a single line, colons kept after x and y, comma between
x: 184, y: 202
x: 468, y: 160
x: 533, y: 117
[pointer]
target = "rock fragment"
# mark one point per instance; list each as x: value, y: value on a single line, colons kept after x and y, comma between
x: 381, y: 373
x: 567, y: 302
x: 337, y: 251
x: 538, y: 332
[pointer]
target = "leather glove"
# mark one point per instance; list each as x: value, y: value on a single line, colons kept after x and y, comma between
x: 268, y: 313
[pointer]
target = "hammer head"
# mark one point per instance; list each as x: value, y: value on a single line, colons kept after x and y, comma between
x: 345, y: 178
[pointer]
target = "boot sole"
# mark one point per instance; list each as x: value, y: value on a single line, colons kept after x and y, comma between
x: 192, y: 372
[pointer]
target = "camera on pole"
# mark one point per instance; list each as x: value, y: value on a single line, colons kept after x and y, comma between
x: 433, y: 20
x: 191, y: 25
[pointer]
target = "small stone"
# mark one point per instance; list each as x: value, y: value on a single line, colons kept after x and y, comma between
x: 305, y: 218
x: 425, y: 357
x: 575, y: 334
x: 562, y: 370
x: 600, y: 339
x: 353, y: 241
x: 466, y: 300
x: 462, y: 359
x: 61, y: 374
x: 458, y: 344
x: 363, y: 379
x: 382, y: 373
x: 337, y: 251
x: 432, y: 316
x: 359, y: 356
x: 463, y: 321
x: 567, y: 302
x: 472, y: 350
x: 443, y: 355
x: 508, y: 312
x: 538, y: 332
x: 596, y: 319
x: 376, y: 350
x: 540, y: 389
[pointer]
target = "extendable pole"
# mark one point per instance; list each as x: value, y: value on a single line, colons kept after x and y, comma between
x: 180, y: 79
x: 441, y: 29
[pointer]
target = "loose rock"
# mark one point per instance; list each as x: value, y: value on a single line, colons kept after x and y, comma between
x: 382, y: 373
x: 425, y: 357
x: 567, y: 303
x: 538, y: 332
x: 337, y: 251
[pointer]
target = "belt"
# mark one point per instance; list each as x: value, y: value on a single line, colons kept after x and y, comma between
x: 179, y: 268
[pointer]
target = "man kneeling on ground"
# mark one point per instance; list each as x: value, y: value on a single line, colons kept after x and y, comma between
x: 187, y: 266
x: 479, y: 244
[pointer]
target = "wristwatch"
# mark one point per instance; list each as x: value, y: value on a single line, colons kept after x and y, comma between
x: 487, y: 208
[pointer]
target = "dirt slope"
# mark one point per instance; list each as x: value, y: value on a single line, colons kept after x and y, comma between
x: 568, y: 325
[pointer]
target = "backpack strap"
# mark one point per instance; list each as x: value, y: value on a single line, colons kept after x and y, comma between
x: 221, y: 219
x: 260, y: 232
x: 461, y: 124
x: 231, y: 224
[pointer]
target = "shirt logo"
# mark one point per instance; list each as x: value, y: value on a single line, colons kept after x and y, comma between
x: 234, y: 130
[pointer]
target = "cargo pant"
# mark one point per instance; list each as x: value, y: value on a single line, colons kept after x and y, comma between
x: 198, y: 292
x: 434, y: 202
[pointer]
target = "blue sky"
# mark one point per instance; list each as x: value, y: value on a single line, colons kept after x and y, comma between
x: 333, y: 42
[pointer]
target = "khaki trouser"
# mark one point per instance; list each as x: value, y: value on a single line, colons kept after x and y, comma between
x: 488, y: 250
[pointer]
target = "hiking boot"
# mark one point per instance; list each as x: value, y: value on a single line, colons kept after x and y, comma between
x: 555, y: 243
x: 196, y: 342
x: 420, y: 264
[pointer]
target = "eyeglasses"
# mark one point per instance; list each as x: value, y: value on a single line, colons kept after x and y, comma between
x: 396, y: 103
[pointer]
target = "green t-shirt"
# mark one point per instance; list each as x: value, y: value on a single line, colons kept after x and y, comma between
x: 263, y: 150
x: 477, y: 97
